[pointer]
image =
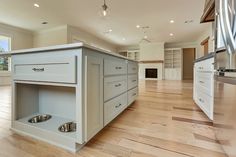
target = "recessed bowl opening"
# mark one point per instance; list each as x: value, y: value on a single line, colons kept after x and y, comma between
x: 68, y: 127
x: 39, y: 118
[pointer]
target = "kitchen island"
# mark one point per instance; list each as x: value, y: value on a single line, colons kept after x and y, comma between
x: 66, y: 94
x: 203, y: 87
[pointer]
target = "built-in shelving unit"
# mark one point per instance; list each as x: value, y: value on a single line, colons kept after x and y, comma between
x: 173, y: 64
x: 131, y: 54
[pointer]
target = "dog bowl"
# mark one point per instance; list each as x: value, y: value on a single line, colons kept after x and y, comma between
x: 68, y: 127
x: 40, y: 118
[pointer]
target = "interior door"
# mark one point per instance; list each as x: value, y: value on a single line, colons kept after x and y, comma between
x: 188, y: 62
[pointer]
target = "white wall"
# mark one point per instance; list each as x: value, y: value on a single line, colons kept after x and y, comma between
x: 207, y: 33
x: 76, y: 34
x: 49, y: 37
x: 152, y: 51
x: 69, y: 34
x: 182, y: 45
x: 20, y: 39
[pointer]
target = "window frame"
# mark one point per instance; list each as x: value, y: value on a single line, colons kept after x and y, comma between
x: 10, y: 39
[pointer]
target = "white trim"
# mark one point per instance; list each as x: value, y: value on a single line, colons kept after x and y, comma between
x: 5, y: 74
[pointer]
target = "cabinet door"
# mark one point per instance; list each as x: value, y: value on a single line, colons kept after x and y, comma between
x: 94, y: 96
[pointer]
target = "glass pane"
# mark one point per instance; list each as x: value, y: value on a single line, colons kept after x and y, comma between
x: 4, y: 47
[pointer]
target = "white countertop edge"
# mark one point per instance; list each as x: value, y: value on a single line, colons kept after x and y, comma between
x: 60, y: 47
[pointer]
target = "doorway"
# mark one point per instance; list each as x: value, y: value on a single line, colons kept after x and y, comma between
x: 188, y: 62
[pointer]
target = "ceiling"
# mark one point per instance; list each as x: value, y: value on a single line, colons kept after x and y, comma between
x: 123, y: 16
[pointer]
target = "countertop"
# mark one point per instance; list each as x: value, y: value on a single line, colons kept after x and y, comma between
x: 62, y: 47
x: 208, y: 56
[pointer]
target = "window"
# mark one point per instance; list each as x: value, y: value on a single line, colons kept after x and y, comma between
x: 5, y: 46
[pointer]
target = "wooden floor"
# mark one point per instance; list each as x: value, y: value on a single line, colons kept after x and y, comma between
x: 163, y: 122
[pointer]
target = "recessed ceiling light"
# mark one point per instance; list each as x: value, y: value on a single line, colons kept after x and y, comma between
x: 145, y: 37
x: 44, y: 23
x: 123, y: 39
x: 172, y: 21
x: 36, y: 5
x: 171, y: 34
x: 110, y: 30
x: 138, y: 26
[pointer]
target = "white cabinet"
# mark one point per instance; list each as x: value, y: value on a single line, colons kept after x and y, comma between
x: 203, y: 91
x: 114, y: 86
x: 173, y: 64
x: 132, y: 95
x: 114, y: 66
x: 44, y: 68
x: 94, y: 95
x: 132, y: 81
x: 114, y: 107
x: 76, y: 85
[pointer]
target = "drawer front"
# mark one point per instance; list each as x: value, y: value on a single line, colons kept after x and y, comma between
x: 115, y: 67
x: 132, y: 68
x: 132, y: 81
x: 205, y: 102
x: 132, y: 95
x: 206, y: 82
x: 114, y: 86
x: 45, y: 69
x: 206, y: 65
x: 114, y: 107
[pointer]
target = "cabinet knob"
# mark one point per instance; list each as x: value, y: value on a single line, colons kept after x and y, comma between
x: 134, y: 80
x: 134, y: 94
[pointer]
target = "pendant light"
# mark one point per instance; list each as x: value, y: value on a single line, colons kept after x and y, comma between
x: 104, y: 8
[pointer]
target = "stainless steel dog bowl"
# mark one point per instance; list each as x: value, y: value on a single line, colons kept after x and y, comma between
x: 40, y: 118
x: 68, y: 127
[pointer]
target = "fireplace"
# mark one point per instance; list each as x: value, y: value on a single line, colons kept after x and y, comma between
x: 151, y: 73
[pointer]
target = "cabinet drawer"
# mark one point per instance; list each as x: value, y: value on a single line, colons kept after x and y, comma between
x: 132, y: 68
x: 113, y: 86
x: 205, y: 82
x: 114, y: 107
x: 46, y: 69
x: 206, y: 65
x: 115, y: 67
x: 205, y: 102
x: 132, y: 81
x: 132, y: 95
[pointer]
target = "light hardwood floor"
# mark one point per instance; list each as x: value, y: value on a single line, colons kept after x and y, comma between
x: 163, y: 122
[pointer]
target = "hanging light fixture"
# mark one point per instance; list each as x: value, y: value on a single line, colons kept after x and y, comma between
x: 104, y: 8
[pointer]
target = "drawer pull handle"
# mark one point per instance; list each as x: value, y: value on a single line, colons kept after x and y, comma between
x: 118, y: 105
x: 38, y: 69
x: 200, y: 68
x: 133, y: 68
x: 201, y: 100
x: 118, y: 68
x: 134, y: 94
x: 118, y: 85
x: 201, y: 82
x: 134, y: 80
